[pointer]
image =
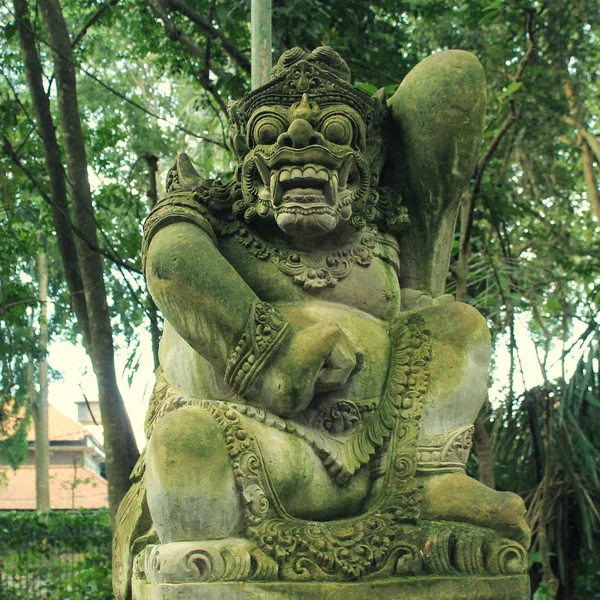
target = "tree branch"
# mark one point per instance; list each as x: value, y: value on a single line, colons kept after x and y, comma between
x: 215, y: 34
x: 177, y: 35
x: 5, y: 307
x: 467, y: 210
x: 95, y: 17
x: 119, y: 94
x: 590, y: 138
x: 9, y: 151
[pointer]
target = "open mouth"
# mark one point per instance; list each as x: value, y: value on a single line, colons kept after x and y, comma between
x: 309, y: 185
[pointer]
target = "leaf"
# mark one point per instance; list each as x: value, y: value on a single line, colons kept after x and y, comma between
x: 510, y: 90
x: 593, y: 401
x: 366, y: 87
x: 491, y: 133
x: 536, y: 557
x: 513, y: 87
x: 542, y: 593
x: 493, y: 6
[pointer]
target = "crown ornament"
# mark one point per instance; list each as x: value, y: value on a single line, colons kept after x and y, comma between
x: 322, y: 75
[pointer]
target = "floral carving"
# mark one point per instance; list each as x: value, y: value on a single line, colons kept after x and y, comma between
x: 341, y: 550
x: 448, y: 452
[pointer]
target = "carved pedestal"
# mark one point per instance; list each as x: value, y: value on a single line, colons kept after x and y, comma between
x: 418, y: 588
x: 450, y: 562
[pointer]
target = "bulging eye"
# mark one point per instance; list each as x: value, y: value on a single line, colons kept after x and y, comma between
x: 266, y: 130
x: 337, y: 129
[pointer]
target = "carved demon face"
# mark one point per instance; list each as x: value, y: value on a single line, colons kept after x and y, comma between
x: 308, y: 146
x: 306, y: 165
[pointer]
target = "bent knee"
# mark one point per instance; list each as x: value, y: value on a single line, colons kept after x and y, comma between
x: 186, y: 432
x: 458, y: 324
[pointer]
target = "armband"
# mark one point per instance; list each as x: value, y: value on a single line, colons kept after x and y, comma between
x: 265, y: 331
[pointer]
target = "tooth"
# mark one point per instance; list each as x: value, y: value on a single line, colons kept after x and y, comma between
x: 275, y: 188
x: 264, y: 171
x: 296, y: 174
x: 333, y: 187
x: 322, y: 175
x: 345, y: 171
x: 284, y: 175
x: 310, y: 172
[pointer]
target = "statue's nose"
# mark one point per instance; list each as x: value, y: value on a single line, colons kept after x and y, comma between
x: 299, y: 135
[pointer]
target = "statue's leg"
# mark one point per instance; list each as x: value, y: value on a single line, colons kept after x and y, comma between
x: 303, y: 485
x: 190, y: 483
x: 460, y: 348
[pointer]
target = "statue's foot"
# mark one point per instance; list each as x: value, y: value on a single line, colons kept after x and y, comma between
x: 457, y: 497
x: 231, y: 559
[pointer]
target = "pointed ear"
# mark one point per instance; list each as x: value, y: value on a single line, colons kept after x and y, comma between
x: 379, y: 96
x: 186, y: 171
x: 375, y: 154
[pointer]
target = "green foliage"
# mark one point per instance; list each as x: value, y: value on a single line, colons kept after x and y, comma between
x: 18, y: 243
x: 587, y: 578
x: 554, y: 434
x: 56, y: 555
x: 70, y: 531
x: 542, y: 593
x: 534, y: 247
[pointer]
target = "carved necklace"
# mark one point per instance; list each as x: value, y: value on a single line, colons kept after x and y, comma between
x: 312, y: 272
x: 321, y: 269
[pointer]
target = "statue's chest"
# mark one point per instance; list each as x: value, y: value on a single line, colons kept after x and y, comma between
x: 363, y: 278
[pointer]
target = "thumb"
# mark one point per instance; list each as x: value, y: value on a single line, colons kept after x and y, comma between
x: 338, y: 366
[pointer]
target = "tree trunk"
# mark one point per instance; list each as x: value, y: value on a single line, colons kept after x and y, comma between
x: 119, y: 442
x: 53, y: 159
x: 550, y: 578
x: 40, y: 414
x: 590, y: 149
x: 587, y: 159
x: 461, y: 270
x: 83, y: 266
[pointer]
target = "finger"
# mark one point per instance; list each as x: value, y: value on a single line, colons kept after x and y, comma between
x: 338, y: 367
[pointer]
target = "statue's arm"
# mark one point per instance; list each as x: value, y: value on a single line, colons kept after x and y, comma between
x: 249, y: 342
x: 433, y: 140
x: 198, y: 291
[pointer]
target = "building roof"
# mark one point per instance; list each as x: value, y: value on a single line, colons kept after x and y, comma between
x: 60, y: 428
x: 69, y: 488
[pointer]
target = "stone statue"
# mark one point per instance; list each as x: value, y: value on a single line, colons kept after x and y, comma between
x: 313, y: 412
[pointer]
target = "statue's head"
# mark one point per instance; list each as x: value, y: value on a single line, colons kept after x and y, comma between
x: 308, y: 146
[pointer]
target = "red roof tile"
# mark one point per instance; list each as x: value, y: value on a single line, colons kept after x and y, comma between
x: 60, y: 427
x: 19, y: 492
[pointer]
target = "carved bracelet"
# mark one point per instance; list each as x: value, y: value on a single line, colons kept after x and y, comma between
x: 265, y: 331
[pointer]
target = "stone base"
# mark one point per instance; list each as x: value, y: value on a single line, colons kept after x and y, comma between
x: 513, y: 587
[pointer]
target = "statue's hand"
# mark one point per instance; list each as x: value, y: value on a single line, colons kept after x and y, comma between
x: 414, y: 299
x: 311, y: 361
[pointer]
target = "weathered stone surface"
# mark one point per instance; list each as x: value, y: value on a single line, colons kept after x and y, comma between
x: 311, y: 420
x: 420, y: 588
x: 435, y: 131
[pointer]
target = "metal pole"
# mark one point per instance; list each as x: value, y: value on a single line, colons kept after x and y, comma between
x: 261, y: 42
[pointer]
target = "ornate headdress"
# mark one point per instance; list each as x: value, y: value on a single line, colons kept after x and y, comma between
x: 322, y: 74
